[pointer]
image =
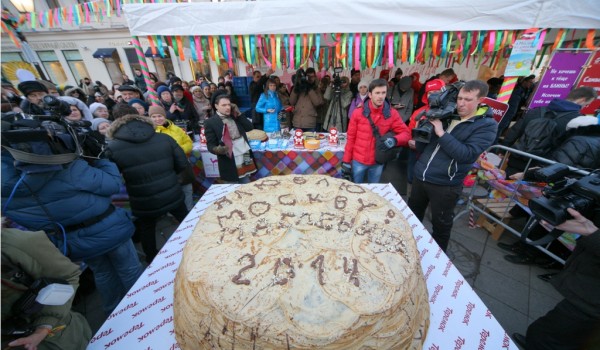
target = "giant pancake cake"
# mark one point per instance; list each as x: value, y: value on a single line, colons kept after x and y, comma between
x: 301, y: 262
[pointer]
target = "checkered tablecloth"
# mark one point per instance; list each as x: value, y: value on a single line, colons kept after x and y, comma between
x: 327, y: 161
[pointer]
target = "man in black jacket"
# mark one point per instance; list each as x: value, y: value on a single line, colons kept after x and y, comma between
x: 235, y: 158
x: 574, y: 323
x: 445, y: 161
x: 34, y: 93
x: 149, y: 163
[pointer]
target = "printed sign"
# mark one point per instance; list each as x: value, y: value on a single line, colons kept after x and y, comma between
x: 521, y: 57
x: 498, y: 108
x: 591, y: 78
x: 211, y: 164
x: 559, y: 78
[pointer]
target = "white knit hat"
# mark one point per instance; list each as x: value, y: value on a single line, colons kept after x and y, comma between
x: 94, y: 106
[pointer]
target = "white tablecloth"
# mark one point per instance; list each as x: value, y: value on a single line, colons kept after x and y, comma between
x: 459, y: 319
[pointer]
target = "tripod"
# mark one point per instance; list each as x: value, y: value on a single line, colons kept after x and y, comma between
x: 336, y: 110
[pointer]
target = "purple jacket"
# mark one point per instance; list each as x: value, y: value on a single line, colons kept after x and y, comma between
x: 356, y: 101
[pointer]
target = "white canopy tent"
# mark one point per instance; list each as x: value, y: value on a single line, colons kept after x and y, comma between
x: 351, y: 16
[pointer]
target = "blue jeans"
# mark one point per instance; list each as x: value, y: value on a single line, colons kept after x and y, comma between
x: 115, y: 273
x: 373, y: 172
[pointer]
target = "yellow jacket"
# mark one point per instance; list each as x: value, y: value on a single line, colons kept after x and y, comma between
x: 177, y: 133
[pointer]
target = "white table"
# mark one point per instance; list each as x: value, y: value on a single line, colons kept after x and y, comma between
x: 459, y: 319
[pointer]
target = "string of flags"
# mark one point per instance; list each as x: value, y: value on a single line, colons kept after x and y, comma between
x: 349, y: 50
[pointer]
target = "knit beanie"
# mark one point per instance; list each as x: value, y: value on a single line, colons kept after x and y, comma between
x: 137, y: 100
x: 162, y: 89
x: 94, y: 106
x: 97, y: 121
x: 157, y: 110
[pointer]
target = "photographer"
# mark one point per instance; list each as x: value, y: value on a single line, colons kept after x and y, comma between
x: 72, y: 202
x: 305, y: 98
x: 574, y: 323
x: 401, y: 98
x: 34, y: 93
x: 27, y: 257
x: 446, y: 159
x: 338, y: 93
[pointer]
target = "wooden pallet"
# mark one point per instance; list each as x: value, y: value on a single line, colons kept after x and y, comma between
x: 499, y: 209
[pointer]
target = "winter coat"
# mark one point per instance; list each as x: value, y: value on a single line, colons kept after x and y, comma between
x: 446, y: 160
x: 396, y: 96
x: 37, y: 257
x: 556, y: 105
x: 581, y: 148
x: 77, y: 193
x: 189, y: 113
x: 149, y: 162
x: 305, y: 111
x: 269, y: 100
x: 178, y: 134
x: 213, y: 130
x: 357, y: 101
x: 360, y: 142
x: 202, y: 106
x: 140, y: 83
x: 579, y: 281
x: 342, y: 122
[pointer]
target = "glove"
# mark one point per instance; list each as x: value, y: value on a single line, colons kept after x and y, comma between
x: 347, y: 171
x: 388, y: 143
x: 221, y: 150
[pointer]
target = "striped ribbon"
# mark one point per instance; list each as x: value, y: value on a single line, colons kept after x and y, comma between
x: 152, y: 95
x: 507, y: 88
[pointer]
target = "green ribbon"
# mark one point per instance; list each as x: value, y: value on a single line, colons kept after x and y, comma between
x: 298, y: 49
x: 363, y: 51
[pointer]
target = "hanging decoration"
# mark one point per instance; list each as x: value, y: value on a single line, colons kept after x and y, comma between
x: 349, y: 50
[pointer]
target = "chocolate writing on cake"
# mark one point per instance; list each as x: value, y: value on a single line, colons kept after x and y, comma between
x: 237, y: 279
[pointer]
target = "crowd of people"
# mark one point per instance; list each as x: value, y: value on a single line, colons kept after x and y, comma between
x: 145, y: 146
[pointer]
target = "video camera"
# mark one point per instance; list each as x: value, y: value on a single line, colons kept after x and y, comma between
x: 441, y: 106
x: 337, y: 81
x: 581, y: 194
x: 37, y: 138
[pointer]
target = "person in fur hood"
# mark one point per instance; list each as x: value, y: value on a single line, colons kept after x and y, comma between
x: 78, y: 93
x: 581, y: 147
x: 149, y: 162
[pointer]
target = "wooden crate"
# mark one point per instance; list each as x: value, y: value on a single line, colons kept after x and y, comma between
x: 499, y: 209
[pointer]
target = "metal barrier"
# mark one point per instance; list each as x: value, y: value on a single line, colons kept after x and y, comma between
x: 498, y: 217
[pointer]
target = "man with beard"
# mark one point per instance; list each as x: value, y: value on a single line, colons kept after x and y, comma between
x: 34, y: 93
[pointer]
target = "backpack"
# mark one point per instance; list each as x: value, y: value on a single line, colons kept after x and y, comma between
x: 541, y: 135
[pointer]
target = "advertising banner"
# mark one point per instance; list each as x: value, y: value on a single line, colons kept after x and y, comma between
x: 591, y: 78
x: 559, y: 78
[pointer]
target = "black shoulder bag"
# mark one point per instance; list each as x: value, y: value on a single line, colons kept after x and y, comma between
x: 382, y: 153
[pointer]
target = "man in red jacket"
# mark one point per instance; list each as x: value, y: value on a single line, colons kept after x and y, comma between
x: 359, y: 155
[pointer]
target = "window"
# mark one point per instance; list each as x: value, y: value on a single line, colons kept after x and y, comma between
x: 53, y: 66
x: 76, y: 64
x: 12, y: 57
x: 133, y: 59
